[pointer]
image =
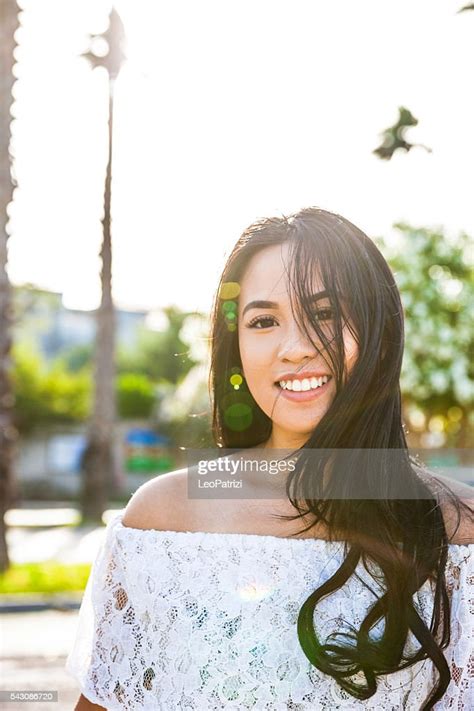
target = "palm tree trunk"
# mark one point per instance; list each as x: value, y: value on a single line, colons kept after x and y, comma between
x: 99, y: 461
x: 8, y: 434
x: 98, y: 458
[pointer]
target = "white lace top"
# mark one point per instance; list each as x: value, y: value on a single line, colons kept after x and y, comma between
x: 199, y: 621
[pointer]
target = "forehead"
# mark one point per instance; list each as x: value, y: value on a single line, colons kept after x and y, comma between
x: 266, y: 275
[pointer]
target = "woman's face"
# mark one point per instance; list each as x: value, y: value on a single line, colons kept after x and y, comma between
x: 287, y: 376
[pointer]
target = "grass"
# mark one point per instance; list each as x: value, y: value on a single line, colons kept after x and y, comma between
x: 46, y: 577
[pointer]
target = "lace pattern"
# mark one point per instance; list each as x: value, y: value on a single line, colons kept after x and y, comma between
x: 206, y: 621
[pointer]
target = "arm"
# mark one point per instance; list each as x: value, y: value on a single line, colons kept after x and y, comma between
x: 84, y: 704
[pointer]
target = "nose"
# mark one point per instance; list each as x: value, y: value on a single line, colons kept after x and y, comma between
x: 295, y: 346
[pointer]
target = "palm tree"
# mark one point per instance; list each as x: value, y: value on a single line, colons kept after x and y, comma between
x: 8, y: 25
x: 98, y: 458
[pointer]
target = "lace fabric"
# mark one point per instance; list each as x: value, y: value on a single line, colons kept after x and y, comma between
x: 205, y: 621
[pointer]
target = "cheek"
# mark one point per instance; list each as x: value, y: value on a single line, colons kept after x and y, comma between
x: 255, y: 354
x: 351, y: 350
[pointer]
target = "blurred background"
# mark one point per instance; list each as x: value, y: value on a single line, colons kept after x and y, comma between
x: 137, y: 141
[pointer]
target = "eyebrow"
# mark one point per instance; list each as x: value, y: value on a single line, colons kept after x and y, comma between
x: 259, y: 304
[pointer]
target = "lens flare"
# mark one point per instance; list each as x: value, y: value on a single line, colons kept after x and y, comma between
x: 229, y: 290
x: 229, y: 306
x: 238, y: 417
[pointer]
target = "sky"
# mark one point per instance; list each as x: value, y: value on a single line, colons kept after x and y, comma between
x: 226, y: 112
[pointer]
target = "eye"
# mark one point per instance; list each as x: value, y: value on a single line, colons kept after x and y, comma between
x: 324, y: 314
x: 256, y: 322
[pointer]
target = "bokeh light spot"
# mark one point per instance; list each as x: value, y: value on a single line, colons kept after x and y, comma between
x: 453, y: 427
x: 417, y: 419
x: 229, y: 290
x: 436, y: 272
x: 238, y: 417
x: 455, y: 413
x: 254, y: 591
x: 229, y: 306
x: 437, y: 423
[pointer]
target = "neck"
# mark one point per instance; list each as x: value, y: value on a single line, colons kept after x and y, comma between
x: 283, y: 440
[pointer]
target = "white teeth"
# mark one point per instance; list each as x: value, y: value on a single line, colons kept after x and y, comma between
x: 303, y: 385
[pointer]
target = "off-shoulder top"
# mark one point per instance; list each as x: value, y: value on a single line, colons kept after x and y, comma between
x: 186, y: 620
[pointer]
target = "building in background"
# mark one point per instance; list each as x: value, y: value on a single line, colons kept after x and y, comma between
x: 42, y: 319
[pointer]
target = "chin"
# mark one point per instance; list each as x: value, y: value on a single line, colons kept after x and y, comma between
x: 305, y: 430
x: 300, y: 427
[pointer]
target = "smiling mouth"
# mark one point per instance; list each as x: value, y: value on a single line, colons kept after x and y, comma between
x: 304, y: 384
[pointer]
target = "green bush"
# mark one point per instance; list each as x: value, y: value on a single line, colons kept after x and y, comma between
x: 47, y: 395
x: 45, y: 577
x: 53, y: 394
x: 162, y: 356
x: 135, y: 395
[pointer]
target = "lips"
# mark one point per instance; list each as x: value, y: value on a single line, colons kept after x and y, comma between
x: 305, y: 384
x: 301, y: 375
x: 302, y: 396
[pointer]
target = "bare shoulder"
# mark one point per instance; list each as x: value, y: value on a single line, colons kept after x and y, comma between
x: 459, y: 525
x: 161, y: 503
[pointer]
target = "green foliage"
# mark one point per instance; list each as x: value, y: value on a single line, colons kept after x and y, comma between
x: 135, y: 394
x: 192, y: 430
x: 62, y: 391
x: 394, y: 137
x: 160, y: 355
x: 184, y: 412
x: 52, y: 394
x: 45, y: 577
x: 78, y: 357
x: 435, y: 277
x: 47, y: 395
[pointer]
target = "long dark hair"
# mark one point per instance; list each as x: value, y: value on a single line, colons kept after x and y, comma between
x: 406, y: 537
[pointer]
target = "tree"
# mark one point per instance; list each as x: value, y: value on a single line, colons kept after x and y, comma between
x: 394, y: 138
x: 47, y: 394
x: 50, y: 393
x: 136, y: 395
x: 8, y: 25
x: 162, y: 355
x: 434, y: 274
x: 98, y: 460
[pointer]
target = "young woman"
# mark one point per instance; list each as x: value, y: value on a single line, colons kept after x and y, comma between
x: 355, y: 593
